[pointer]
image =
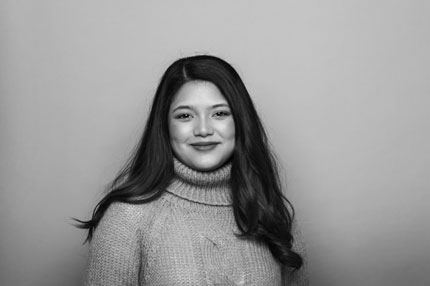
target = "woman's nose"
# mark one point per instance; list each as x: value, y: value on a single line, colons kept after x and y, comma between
x: 203, y: 128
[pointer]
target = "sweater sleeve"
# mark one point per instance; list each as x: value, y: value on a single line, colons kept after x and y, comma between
x: 114, y: 254
x: 298, y: 277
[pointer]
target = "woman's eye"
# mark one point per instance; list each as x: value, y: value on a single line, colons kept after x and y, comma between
x: 183, y: 116
x: 221, y: 114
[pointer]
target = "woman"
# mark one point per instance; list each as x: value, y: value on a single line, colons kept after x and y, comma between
x: 200, y: 202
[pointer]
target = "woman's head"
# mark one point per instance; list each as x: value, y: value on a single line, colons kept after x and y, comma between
x: 197, y: 84
x: 201, y: 126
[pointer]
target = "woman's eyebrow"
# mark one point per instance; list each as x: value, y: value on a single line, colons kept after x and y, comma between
x: 192, y: 107
x: 220, y: 105
x: 182, y: 107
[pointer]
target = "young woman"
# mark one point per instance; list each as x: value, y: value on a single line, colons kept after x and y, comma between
x: 200, y: 201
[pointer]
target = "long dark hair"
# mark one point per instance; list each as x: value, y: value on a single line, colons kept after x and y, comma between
x: 261, y: 210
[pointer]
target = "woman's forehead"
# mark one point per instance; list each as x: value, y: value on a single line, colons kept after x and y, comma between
x: 198, y: 94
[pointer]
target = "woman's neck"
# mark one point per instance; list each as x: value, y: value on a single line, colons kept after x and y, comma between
x: 210, y: 188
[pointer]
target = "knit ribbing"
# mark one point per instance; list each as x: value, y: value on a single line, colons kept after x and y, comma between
x: 211, y: 188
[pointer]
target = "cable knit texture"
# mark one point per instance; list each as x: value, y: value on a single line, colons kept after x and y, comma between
x: 186, y: 237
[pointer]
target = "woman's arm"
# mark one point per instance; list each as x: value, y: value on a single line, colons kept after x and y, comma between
x: 299, y: 277
x: 115, y: 256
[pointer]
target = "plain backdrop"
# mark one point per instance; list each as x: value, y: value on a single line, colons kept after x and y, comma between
x: 343, y: 88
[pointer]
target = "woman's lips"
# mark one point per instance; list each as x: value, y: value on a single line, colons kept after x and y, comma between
x: 204, y: 146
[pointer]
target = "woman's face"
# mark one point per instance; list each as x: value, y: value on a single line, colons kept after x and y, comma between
x: 201, y: 126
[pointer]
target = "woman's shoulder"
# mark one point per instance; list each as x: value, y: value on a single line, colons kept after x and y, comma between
x: 128, y: 210
x: 122, y: 215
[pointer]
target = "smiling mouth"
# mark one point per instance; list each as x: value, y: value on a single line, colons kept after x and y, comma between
x: 204, y: 146
x: 204, y: 143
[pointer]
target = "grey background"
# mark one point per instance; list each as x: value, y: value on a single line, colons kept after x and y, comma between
x: 342, y: 86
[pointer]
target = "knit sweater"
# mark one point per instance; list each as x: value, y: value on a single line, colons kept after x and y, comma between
x: 185, y: 237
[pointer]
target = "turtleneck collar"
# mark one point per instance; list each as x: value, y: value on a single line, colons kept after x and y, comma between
x: 211, y: 188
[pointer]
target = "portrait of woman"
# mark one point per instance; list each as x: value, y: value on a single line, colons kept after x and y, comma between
x: 269, y: 143
x: 200, y: 201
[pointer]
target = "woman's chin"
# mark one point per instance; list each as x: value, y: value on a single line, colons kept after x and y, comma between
x: 205, y: 167
x: 205, y: 164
